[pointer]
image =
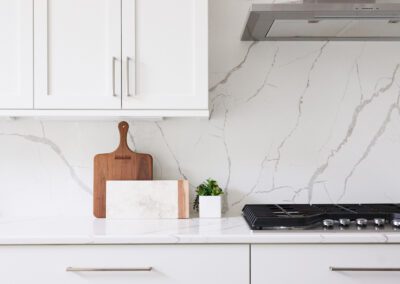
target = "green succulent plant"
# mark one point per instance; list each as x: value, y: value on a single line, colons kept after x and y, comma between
x: 208, y: 188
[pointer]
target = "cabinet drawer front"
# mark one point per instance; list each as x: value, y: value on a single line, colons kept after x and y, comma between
x: 119, y: 264
x: 326, y: 264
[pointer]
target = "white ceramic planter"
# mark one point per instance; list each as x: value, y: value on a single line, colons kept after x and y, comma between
x: 210, y: 206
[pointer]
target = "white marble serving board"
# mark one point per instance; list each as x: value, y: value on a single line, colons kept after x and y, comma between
x: 142, y: 199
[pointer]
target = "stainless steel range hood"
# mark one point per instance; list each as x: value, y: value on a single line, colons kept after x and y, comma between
x: 324, y: 20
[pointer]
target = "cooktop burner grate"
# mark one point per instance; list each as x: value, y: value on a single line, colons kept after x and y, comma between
x: 306, y: 216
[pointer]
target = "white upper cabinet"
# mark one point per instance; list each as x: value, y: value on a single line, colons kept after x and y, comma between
x: 165, y: 54
x: 77, y: 54
x: 16, y: 54
x: 134, y: 58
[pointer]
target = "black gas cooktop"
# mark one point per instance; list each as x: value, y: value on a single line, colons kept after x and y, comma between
x: 322, y: 216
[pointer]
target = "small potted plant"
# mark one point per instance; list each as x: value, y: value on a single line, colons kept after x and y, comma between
x: 208, y: 199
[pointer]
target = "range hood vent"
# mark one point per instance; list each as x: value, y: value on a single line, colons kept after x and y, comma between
x: 361, y: 20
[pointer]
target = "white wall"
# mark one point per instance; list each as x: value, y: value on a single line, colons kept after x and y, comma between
x: 291, y: 122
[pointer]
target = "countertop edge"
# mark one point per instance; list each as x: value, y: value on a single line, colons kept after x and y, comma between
x: 227, y: 230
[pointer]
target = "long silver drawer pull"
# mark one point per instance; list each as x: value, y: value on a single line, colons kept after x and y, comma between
x: 88, y: 269
x: 113, y: 76
x: 366, y: 269
x: 128, y: 92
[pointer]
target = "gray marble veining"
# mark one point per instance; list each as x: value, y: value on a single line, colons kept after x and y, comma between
x: 303, y: 122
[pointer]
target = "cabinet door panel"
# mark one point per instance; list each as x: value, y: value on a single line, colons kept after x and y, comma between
x: 171, y: 264
x: 287, y: 264
x: 16, y: 54
x: 75, y: 43
x: 165, y: 51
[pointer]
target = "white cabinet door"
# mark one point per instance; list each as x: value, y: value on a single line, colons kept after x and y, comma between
x: 16, y: 54
x: 288, y: 264
x: 170, y: 264
x: 165, y: 54
x: 77, y: 54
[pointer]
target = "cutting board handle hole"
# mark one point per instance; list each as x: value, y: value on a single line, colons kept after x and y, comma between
x: 123, y: 125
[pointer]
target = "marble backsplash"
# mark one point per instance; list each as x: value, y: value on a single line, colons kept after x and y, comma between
x: 292, y: 122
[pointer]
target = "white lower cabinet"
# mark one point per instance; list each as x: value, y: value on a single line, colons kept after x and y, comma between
x: 199, y: 264
x: 169, y: 264
x: 288, y: 264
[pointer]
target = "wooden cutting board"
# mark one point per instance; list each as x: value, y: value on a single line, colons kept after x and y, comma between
x: 122, y: 164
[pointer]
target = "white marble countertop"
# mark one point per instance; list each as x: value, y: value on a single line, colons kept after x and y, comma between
x: 191, y: 231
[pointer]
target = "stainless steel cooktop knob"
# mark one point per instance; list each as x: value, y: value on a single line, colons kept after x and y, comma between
x: 396, y: 223
x: 379, y: 222
x: 345, y: 222
x: 362, y: 222
x: 328, y: 223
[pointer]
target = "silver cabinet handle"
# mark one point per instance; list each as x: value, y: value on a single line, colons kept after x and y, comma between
x: 128, y: 92
x: 113, y: 76
x: 364, y: 269
x: 88, y: 269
